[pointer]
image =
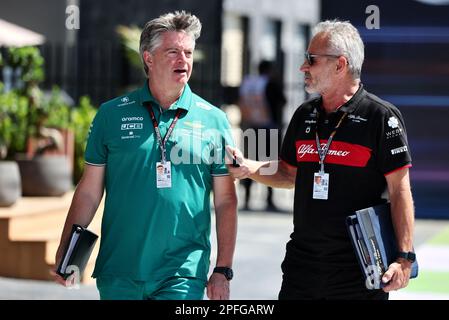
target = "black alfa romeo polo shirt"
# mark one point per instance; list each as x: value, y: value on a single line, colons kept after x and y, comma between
x: 370, y: 143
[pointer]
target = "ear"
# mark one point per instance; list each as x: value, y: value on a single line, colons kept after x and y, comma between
x: 342, y: 63
x: 148, y: 59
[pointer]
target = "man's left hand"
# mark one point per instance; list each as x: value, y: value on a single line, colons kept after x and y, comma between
x: 218, y: 287
x: 397, y: 275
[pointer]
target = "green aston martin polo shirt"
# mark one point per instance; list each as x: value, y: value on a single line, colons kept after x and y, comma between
x: 151, y: 233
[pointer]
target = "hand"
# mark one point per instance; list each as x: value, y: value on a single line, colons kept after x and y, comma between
x: 218, y: 287
x: 244, y: 170
x: 69, y: 282
x: 397, y: 275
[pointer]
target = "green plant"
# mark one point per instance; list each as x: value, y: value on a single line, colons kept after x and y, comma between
x: 130, y: 38
x: 82, y: 117
x: 26, y: 100
x: 30, y: 62
x: 25, y: 111
x: 13, y: 124
x: 56, y: 110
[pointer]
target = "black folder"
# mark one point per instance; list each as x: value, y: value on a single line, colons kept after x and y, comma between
x: 374, y: 241
x: 77, y: 252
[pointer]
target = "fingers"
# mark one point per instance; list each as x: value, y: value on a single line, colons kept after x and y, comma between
x: 69, y: 282
x: 58, y: 278
x: 236, y: 163
x: 217, y: 293
x: 388, y: 275
x: 218, y: 288
x: 395, y: 278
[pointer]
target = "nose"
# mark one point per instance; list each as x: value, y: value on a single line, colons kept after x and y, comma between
x: 182, y: 56
x: 304, y: 67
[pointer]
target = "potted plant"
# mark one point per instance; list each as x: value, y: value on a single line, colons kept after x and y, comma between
x: 44, y: 169
x: 81, y: 119
x: 11, y: 106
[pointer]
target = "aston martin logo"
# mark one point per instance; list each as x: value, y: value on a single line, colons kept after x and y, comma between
x: 195, y: 125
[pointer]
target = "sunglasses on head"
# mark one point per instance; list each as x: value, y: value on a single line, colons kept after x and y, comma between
x: 310, y: 57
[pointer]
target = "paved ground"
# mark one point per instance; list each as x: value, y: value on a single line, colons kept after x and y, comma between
x: 260, y: 249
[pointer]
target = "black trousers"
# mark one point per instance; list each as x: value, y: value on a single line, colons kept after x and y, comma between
x: 317, y: 282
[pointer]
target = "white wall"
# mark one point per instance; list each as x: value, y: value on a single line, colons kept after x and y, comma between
x: 292, y: 14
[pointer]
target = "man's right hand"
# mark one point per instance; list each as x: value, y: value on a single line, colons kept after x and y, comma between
x: 56, y: 276
x: 70, y: 281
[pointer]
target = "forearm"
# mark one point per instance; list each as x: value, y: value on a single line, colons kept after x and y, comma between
x: 402, y: 212
x: 82, y: 210
x: 226, y: 228
x: 273, y: 174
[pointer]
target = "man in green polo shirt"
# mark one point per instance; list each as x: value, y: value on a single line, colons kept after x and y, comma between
x: 159, y: 152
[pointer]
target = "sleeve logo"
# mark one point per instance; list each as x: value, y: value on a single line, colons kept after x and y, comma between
x: 393, y: 122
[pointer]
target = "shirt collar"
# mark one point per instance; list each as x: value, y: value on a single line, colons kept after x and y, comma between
x: 350, y: 106
x: 184, y: 101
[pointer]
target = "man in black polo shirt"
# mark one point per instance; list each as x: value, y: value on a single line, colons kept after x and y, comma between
x: 355, y: 145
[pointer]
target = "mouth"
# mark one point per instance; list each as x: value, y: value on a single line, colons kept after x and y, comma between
x: 180, y: 71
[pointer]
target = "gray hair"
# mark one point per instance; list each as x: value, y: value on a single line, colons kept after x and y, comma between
x: 345, y: 40
x: 150, y: 38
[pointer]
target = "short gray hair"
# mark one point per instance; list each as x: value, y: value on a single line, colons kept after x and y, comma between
x: 345, y: 40
x: 150, y: 37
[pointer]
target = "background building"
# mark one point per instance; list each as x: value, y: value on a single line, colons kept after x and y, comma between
x: 406, y: 59
x: 406, y: 63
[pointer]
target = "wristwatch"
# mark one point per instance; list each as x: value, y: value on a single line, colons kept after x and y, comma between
x: 410, y: 256
x: 227, y: 272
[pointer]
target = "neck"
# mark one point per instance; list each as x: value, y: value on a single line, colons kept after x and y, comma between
x: 338, y: 96
x: 165, y: 97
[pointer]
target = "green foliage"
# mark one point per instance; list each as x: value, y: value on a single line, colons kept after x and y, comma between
x: 82, y: 117
x: 30, y: 61
x: 24, y: 111
x: 13, y: 123
x: 56, y: 111
x: 130, y: 39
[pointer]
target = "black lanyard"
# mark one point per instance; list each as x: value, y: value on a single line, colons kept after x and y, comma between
x: 322, y: 152
x: 158, y: 132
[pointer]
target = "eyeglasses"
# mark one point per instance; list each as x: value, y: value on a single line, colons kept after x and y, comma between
x: 310, y: 57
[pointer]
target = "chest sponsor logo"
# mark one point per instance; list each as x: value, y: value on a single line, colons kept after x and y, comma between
x: 126, y: 119
x: 194, y: 124
x: 399, y: 150
x: 342, y: 153
x: 125, y: 101
x: 357, y: 119
x: 132, y: 126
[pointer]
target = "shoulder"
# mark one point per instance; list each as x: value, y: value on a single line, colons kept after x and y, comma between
x: 379, y: 106
x: 207, y: 109
x: 307, y: 107
x: 127, y: 99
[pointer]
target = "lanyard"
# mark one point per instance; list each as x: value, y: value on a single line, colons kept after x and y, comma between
x: 322, y: 152
x: 158, y: 132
